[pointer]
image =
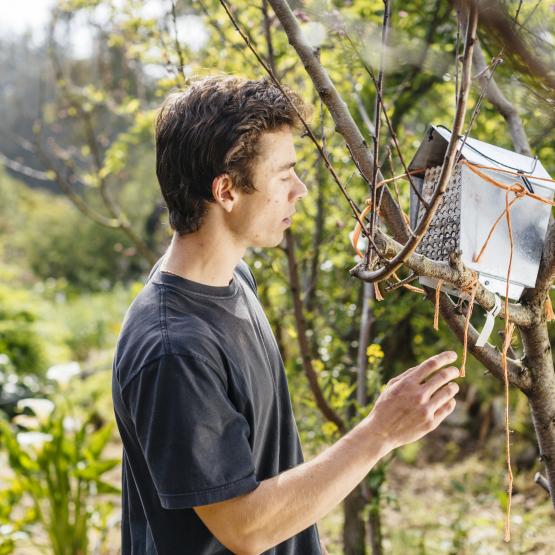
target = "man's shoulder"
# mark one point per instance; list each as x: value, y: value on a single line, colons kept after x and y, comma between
x: 243, y: 269
x: 149, y: 333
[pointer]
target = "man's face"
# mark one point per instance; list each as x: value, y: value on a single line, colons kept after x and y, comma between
x: 259, y: 219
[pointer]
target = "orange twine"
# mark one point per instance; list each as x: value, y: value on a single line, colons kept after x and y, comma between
x: 519, y: 191
x: 471, y: 288
x: 436, y: 311
x: 548, y: 307
x: 509, y: 329
x: 358, y: 230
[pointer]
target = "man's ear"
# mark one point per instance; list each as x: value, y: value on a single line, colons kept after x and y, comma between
x: 223, y: 191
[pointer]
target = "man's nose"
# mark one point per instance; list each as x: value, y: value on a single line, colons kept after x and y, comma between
x: 299, y: 190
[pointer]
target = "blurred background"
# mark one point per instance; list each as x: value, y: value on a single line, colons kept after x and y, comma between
x: 81, y: 223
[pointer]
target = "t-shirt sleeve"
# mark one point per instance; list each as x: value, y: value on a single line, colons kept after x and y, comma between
x: 195, y: 442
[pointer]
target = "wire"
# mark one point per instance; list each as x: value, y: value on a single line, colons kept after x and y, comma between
x: 520, y: 170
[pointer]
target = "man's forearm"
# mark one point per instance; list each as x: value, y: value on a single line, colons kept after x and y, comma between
x: 411, y: 405
x: 286, y: 504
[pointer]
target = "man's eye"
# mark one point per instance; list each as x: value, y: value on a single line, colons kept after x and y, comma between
x: 286, y: 178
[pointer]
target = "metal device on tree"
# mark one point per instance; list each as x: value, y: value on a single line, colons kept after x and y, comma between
x: 470, y: 218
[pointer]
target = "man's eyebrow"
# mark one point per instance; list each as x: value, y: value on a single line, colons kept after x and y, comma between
x: 286, y: 166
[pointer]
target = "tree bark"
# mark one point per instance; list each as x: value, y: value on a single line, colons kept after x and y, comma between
x: 353, y: 528
x: 375, y: 530
x: 541, y: 397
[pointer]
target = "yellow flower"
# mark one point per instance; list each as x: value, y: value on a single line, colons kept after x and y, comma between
x: 328, y: 429
x: 374, y: 353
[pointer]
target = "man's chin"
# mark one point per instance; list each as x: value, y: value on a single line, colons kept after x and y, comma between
x: 269, y: 243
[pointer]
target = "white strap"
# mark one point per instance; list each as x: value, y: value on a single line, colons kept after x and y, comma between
x: 490, y: 320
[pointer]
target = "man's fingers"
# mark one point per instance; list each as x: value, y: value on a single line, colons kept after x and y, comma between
x: 444, y: 411
x: 426, y: 368
x: 434, y: 363
x: 443, y: 396
x: 439, y: 379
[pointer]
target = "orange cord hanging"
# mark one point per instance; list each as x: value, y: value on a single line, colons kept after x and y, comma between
x: 549, y: 314
x: 471, y: 289
x: 520, y: 192
x: 509, y: 329
x: 436, y: 311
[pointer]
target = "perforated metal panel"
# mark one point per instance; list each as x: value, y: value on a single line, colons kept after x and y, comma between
x: 443, y: 235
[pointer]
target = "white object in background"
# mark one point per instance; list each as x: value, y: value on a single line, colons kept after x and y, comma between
x: 490, y: 320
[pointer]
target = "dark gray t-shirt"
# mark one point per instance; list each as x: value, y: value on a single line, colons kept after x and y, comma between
x: 203, y: 410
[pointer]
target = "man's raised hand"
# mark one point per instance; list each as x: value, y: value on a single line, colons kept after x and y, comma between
x: 415, y: 402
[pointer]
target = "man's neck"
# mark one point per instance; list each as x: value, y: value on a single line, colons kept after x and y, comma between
x: 203, y: 257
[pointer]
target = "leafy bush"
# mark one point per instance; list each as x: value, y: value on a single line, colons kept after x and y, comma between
x: 19, y: 340
x: 64, y: 244
x: 58, y: 473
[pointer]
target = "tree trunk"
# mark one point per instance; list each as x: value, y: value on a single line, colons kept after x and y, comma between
x: 375, y: 529
x: 542, y: 395
x: 353, y: 528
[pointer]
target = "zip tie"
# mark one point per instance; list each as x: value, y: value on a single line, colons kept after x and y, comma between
x: 490, y: 320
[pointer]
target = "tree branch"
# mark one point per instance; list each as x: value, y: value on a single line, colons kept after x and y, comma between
x: 343, y: 119
x: 536, y: 297
x: 446, y: 168
x: 304, y: 347
x: 500, y: 25
x: 455, y: 273
x: 488, y: 355
x: 500, y: 102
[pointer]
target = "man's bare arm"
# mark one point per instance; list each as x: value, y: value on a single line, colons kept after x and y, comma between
x: 412, y: 405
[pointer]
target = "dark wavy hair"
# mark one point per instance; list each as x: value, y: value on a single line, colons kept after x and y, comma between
x: 211, y: 128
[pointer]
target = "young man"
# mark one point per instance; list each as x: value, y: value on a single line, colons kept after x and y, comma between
x: 212, y: 461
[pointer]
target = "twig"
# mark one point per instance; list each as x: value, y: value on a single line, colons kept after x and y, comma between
x: 345, y: 124
x: 379, y: 97
x: 488, y: 355
x: 294, y: 285
x: 498, y: 99
x: 456, y: 274
x: 178, y: 48
x: 446, y: 168
x: 542, y: 482
x: 304, y: 347
x: 377, y: 127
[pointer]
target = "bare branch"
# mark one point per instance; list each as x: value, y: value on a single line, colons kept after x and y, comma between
x: 447, y: 166
x: 366, y: 321
x: 343, y: 119
x: 304, y: 347
x: 66, y: 187
x: 488, y: 355
x: 455, y: 273
x: 541, y: 396
x: 542, y: 482
x: 377, y: 127
x: 498, y: 23
x: 500, y: 102
x: 22, y: 169
x: 177, y: 44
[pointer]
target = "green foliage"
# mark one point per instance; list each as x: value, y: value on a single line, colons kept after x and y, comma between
x: 58, y: 468
x: 63, y: 244
x: 91, y: 321
x: 20, y: 341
